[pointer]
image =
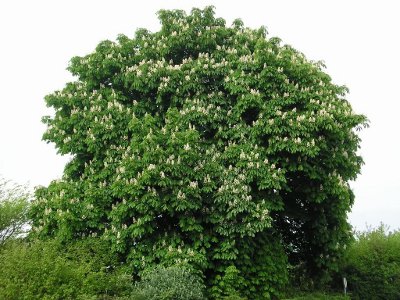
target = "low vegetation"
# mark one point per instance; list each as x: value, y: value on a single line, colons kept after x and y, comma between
x: 85, y: 269
x: 372, y: 265
x: 49, y: 270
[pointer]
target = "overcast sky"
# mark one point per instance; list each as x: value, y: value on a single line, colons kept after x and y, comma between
x: 358, y: 40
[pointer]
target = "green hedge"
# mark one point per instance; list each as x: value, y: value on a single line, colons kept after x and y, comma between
x: 372, y: 265
x: 49, y: 270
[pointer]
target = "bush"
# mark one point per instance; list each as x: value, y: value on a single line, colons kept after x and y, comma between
x: 372, y: 265
x: 171, y: 283
x: 46, y: 270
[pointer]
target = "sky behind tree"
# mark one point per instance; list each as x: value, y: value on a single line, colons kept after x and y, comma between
x: 358, y: 41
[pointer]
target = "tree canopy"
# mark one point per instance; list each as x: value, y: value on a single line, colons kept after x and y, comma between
x: 208, y: 144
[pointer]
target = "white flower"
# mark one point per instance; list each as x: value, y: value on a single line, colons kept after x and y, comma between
x: 207, y: 179
x: 254, y: 92
x: 181, y: 195
x: 186, y: 147
x: 193, y: 184
x: 242, y: 155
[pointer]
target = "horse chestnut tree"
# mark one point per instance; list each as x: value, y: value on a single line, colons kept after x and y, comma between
x: 208, y: 144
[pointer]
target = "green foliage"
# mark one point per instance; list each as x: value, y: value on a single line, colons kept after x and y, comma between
x: 260, y: 271
x: 372, y: 265
x: 227, y: 285
x: 14, y: 204
x: 196, y: 144
x: 48, y: 270
x: 171, y: 283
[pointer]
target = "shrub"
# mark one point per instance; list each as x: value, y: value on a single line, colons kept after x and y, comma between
x: 46, y: 270
x: 171, y: 283
x: 372, y: 265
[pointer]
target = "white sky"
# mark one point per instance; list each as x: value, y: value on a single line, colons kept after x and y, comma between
x: 358, y: 40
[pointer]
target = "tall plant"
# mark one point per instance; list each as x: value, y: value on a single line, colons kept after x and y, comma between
x: 204, y: 143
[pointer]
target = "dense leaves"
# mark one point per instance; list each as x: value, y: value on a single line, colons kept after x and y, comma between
x: 172, y: 283
x: 206, y: 144
x: 372, y: 265
x: 49, y: 270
